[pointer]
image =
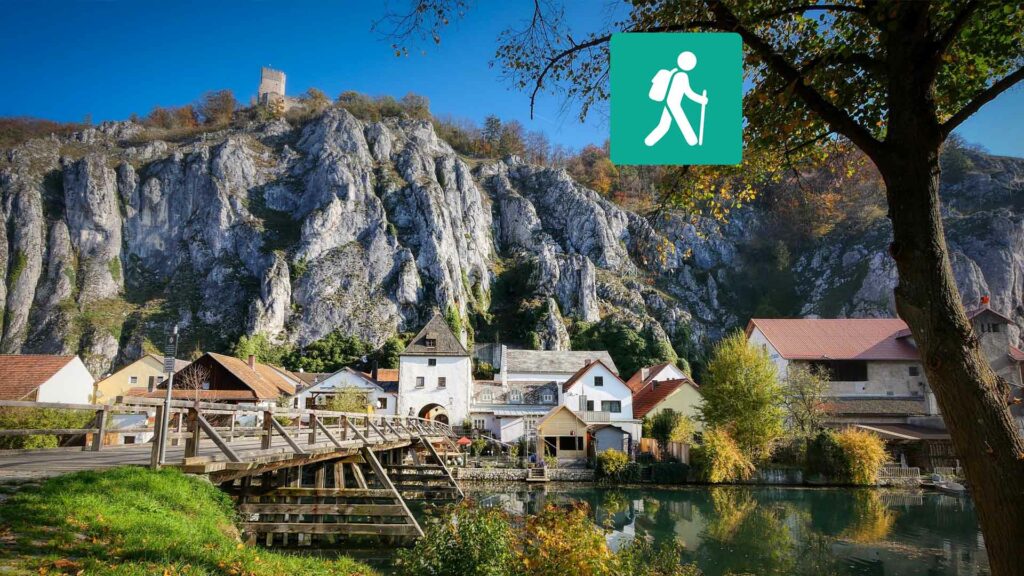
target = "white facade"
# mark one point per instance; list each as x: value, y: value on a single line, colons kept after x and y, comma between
x: 603, y: 391
x: 321, y: 392
x: 668, y: 372
x: 427, y: 383
x: 72, y: 384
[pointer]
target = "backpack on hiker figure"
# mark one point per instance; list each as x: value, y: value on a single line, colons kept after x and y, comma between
x: 660, y: 84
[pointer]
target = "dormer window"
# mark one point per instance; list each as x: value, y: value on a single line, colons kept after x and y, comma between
x: 430, y: 340
x: 486, y: 396
x: 515, y: 396
x: 547, y: 398
x: 598, y: 380
x: 989, y: 328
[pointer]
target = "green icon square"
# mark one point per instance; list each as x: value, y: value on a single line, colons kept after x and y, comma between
x: 676, y: 98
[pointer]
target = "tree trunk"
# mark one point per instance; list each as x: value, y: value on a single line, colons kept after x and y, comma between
x: 973, y: 399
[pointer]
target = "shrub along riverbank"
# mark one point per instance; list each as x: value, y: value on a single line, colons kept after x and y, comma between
x: 133, y: 521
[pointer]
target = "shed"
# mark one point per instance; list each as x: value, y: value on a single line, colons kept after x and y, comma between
x: 562, y: 434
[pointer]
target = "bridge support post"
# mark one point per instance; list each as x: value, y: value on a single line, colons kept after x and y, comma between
x: 159, y: 434
x: 192, y: 441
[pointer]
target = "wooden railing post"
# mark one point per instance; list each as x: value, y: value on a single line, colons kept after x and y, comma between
x: 231, y: 429
x: 100, y: 424
x: 268, y: 429
x: 192, y: 441
x: 344, y: 427
x: 312, y: 428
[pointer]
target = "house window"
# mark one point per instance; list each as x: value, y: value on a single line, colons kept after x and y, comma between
x: 547, y: 397
x: 843, y: 370
x: 478, y: 423
x: 598, y: 380
x: 989, y: 328
x: 382, y: 403
x: 590, y: 405
x: 133, y: 379
x: 486, y: 396
x: 420, y: 382
x: 614, y: 406
x: 442, y: 382
x: 432, y: 362
x: 430, y: 342
x: 570, y: 443
x: 913, y: 370
x: 515, y: 396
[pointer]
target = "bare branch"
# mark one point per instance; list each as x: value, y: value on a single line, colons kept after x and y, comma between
x: 980, y: 99
x: 810, y: 8
x: 837, y: 118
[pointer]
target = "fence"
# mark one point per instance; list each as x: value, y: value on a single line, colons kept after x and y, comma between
x: 93, y: 435
x: 673, y: 450
x: 895, y: 471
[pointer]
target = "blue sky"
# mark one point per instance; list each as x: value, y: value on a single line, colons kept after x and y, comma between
x: 109, y: 58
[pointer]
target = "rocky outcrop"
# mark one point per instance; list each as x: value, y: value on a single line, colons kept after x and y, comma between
x: 367, y: 227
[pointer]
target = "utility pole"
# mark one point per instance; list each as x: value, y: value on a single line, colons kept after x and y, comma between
x: 170, y: 354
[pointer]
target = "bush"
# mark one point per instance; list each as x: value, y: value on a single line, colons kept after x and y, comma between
x: 863, y: 453
x: 37, y: 419
x: 825, y: 457
x: 719, y: 458
x: 217, y: 107
x: 469, y: 539
x: 670, y: 426
x: 564, y: 540
x: 669, y: 472
x: 611, y: 462
x: 642, y: 558
x: 614, y: 466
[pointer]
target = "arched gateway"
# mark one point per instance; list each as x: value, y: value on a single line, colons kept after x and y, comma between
x: 434, y: 412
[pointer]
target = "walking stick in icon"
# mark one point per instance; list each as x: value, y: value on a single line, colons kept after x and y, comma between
x: 703, y: 107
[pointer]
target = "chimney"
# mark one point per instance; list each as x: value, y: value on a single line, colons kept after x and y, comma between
x: 252, y: 361
x: 984, y: 300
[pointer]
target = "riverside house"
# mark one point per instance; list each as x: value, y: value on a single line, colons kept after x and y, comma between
x: 45, y: 378
x: 877, y: 380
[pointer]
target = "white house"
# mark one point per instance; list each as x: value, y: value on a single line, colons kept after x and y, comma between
x: 44, y: 378
x: 657, y: 373
x: 435, y: 375
x: 319, y: 395
x: 599, y: 396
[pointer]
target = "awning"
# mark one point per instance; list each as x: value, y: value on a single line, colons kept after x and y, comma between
x: 905, y: 432
x: 463, y: 441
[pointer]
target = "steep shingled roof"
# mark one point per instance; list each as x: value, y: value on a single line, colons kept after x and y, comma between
x: 446, y: 343
x: 643, y: 376
x: 554, y: 361
x: 22, y: 374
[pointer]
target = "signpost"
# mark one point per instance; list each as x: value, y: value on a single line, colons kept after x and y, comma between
x: 170, y: 353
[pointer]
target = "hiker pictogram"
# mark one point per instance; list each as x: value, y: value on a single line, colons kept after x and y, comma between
x: 670, y: 87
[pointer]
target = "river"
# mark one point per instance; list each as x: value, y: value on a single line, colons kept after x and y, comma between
x: 779, y: 531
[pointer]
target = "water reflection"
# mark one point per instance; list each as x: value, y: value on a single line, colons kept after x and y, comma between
x: 783, y: 531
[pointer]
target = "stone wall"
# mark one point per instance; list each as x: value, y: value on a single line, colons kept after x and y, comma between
x: 519, y: 474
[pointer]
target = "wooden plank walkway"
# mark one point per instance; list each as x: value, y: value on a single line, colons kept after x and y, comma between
x: 211, y: 440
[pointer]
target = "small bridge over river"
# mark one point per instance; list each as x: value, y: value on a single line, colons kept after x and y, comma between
x: 299, y: 476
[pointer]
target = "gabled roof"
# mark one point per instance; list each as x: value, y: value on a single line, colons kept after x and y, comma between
x: 583, y: 371
x: 387, y: 375
x: 446, y: 343
x: 310, y: 378
x: 178, y: 362
x: 836, y: 339
x: 265, y: 381
x: 644, y: 376
x: 554, y: 361
x: 22, y: 374
x: 556, y: 410
x: 972, y: 314
x: 653, y: 393
x: 370, y: 382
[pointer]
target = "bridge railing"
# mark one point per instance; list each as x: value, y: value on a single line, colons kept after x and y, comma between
x: 101, y: 424
x: 299, y: 428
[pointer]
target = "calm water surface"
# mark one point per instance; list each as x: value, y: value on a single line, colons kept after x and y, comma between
x: 780, y: 531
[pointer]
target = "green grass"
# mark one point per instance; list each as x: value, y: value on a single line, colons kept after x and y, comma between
x: 133, y: 521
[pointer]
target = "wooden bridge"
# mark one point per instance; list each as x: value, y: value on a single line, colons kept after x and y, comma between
x: 299, y: 476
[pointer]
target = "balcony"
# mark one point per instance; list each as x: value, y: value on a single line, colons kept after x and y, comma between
x: 594, y: 416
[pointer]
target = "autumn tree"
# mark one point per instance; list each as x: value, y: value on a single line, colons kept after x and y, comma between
x: 742, y: 394
x: 217, y: 107
x: 804, y: 400
x: 893, y: 77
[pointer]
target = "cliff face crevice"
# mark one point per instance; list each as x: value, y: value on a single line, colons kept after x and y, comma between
x: 367, y: 227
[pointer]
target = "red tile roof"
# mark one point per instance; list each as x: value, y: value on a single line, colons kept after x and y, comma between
x: 22, y: 374
x: 579, y: 374
x: 637, y: 381
x: 387, y: 375
x: 836, y: 339
x: 1016, y: 354
x: 652, y: 394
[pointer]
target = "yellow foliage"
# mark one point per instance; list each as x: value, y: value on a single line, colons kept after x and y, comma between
x: 864, y: 453
x: 872, y: 521
x: 721, y: 458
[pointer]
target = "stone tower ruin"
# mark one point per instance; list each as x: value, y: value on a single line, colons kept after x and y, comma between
x: 271, y: 86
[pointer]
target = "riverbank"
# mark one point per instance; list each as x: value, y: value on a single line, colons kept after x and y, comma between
x: 136, y: 521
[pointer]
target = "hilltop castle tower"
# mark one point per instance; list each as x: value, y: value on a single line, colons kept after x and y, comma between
x: 271, y: 86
